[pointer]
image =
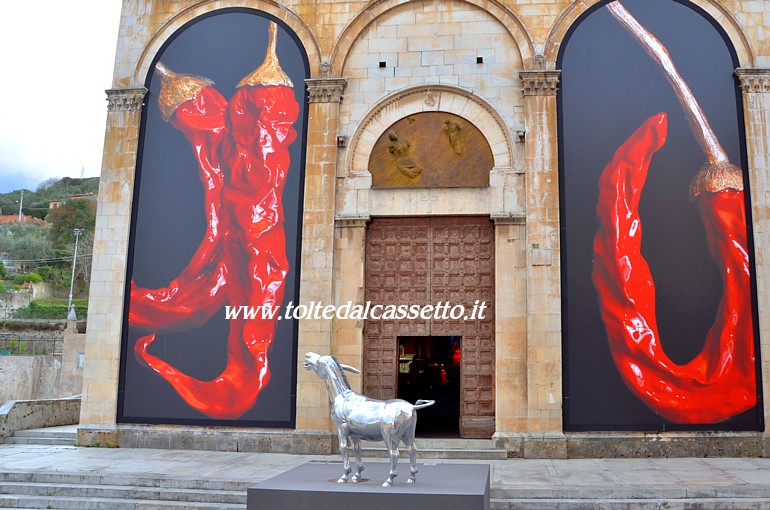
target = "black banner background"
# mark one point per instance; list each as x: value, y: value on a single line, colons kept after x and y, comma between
x: 608, y: 87
x: 168, y: 224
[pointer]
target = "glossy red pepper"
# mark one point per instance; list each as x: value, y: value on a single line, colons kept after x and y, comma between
x: 191, y: 298
x: 243, y: 256
x: 720, y: 381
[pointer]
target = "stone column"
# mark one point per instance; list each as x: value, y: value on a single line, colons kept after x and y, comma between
x: 755, y: 84
x: 349, y: 270
x: 544, y: 340
x: 317, y: 271
x: 510, y: 330
x: 108, y: 273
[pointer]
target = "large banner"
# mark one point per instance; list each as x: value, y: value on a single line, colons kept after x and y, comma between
x: 216, y: 228
x: 659, y: 308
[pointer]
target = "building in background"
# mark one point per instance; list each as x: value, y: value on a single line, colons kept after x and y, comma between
x: 464, y: 183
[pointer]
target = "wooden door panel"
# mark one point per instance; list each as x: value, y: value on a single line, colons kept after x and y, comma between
x: 425, y: 261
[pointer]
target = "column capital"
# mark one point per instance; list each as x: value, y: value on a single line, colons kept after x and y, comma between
x: 539, y: 82
x: 753, y: 80
x: 125, y: 99
x: 325, y: 90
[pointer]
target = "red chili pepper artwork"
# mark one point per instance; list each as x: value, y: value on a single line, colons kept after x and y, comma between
x: 242, y: 149
x: 720, y: 381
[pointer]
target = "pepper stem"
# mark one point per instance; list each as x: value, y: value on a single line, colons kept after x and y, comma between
x: 719, y: 173
x: 270, y: 72
x: 176, y: 88
x: 695, y: 116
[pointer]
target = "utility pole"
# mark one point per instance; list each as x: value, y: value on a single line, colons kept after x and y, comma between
x: 21, y: 202
x: 78, y: 231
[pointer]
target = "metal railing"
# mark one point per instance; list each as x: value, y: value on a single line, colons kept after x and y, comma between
x: 12, y: 344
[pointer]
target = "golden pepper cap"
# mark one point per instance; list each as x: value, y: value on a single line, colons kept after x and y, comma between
x: 175, y: 89
x: 270, y: 72
x: 716, y: 177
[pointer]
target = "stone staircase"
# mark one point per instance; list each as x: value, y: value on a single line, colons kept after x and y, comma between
x: 59, y: 436
x: 144, y: 479
x: 62, y: 490
x: 90, y: 491
x: 79, y: 491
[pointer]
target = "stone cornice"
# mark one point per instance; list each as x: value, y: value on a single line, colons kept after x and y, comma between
x: 754, y: 80
x: 424, y: 98
x: 352, y: 222
x: 125, y: 99
x: 325, y: 90
x: 539, y: 83
x: 508, y: 219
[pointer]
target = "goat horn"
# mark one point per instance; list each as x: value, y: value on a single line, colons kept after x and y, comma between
x: 349, y: 368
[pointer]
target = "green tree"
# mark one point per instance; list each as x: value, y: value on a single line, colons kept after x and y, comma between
x: 65, y: 219
x: 25, y: 243
x: 2, y: 269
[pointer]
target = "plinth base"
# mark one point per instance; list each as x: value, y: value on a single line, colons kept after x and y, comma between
x: 313, y: 486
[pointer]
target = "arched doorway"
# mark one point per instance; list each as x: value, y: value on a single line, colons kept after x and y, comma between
x: 431, y: 266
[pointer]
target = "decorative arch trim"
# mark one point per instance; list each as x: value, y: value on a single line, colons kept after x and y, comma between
x: 495, y: 8
x: 719, y: 15
x: 431, y: 98
x: 170, y: 26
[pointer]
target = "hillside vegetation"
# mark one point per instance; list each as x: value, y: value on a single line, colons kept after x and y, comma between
x: 34, y: 252
x: 36, y: 202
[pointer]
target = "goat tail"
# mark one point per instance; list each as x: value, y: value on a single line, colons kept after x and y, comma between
x: 421, y: 404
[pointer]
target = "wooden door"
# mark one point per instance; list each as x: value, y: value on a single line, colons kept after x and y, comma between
x: 425, y: 261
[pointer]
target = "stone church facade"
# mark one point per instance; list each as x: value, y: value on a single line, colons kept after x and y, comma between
x: 375, y: 67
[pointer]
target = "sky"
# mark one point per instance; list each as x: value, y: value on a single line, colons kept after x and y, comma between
x: 57, y: 60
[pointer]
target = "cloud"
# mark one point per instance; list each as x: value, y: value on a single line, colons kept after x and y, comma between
x: 17, y: 182
x: 59, y: 61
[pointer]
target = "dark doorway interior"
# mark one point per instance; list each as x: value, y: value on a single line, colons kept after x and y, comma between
x: 429, y: 368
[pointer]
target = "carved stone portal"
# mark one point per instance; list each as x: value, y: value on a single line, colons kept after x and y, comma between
x: 423, y: 261
x: 431, y: 149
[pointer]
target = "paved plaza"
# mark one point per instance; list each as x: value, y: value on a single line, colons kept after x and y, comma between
x: 733, y: 483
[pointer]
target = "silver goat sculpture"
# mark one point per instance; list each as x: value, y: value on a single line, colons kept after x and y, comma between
x: 358, y: 417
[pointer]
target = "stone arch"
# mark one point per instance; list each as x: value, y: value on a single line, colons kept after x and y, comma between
x: 428, y: 98
x: 719, y: 15
x: 495, y: 8
x: 170, y: 26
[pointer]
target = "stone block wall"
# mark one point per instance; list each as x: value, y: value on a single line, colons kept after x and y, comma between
x: 51, y: 368
x: 428, y: 50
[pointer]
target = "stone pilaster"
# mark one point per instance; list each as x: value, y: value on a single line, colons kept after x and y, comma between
x: 510, y: 325
x: 317, y: 266
x: 755, y: 84
x: 113, y: 222
x: 543, y: 267
x: 349, y: 269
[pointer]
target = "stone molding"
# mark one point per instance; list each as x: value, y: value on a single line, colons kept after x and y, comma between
x: 325, y: 90
x: 716, y: 11
x: 754, y: 80
x: 433, y: 97
x: 124, y: 100
x: 508, y: 219
x: 539, y: 83
x: 350, y: 222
